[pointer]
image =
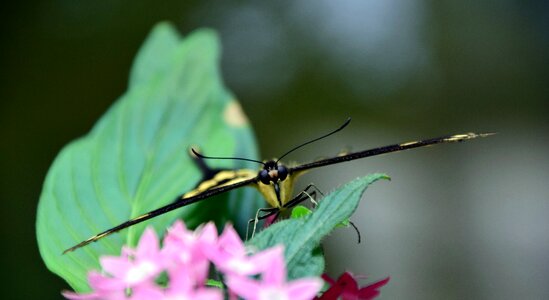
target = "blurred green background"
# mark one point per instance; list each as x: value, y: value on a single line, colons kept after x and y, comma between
x: 468, y: 220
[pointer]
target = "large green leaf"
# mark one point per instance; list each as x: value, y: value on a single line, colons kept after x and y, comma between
x: 135, y: 158
x: 301, y: 237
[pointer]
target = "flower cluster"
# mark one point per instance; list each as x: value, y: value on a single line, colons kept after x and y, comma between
x: 346, y: 288
x: 185, y: 260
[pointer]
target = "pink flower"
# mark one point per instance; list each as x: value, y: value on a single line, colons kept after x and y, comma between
x: 347, y: 288
x: 230, y: 255
x: 273, y: 284
x: 186, y: 257
x: 132, y: 274
x: 177, y: 291
x: 133, y: 269
x: 102, y: 289
x: 135, y: 266
x: 184, y: 253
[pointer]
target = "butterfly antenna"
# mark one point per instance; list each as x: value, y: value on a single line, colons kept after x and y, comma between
x: 318, y: 138
x: 233, y: 158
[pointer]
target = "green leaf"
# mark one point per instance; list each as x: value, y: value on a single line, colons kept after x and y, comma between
x: 135, y: 159
x: 214, y: 283
x: 301, y: 237
x: 300, y: 211
x: 151, y: 59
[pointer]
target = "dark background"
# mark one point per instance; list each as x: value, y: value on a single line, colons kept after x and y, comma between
x: 456, y: 221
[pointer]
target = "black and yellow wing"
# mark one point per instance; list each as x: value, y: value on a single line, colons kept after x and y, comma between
x: 386, y: 149
x: 179, y: 202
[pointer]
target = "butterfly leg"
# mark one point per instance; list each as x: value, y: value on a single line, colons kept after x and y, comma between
x: 304, y: 195
x: 267, y: 213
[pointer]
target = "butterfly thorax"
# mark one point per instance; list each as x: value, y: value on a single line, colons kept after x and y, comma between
x: 275, y: 183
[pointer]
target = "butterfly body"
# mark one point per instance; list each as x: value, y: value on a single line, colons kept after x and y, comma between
x: 274, y: 182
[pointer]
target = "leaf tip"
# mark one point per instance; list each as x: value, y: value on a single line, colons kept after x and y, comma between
x: 377, y: 176
x: 164, y: 27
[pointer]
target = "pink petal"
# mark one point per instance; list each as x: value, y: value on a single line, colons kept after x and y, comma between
x: 215, y: 255
x: 243, y: 286
x: 200, y: 271
x: 177, y: 228
x: 100, y: 292
x: 230, y: 253
x: 181, y: 280
x: 271, y: 262
x: 230, y: 241
x: 127, y: 252
x: 208, y: 294
x: 186, y: 259
x: 238, y: 266
x: 177, y: 233
x: 75, y: 296
x: 142, y: 271
x: 148, y: 244
x: 99, y: 282
x: 116, y: 266
x: 175, y: 253
x: 208, y: 234
x: 147, y: 292
x: 305, y: 289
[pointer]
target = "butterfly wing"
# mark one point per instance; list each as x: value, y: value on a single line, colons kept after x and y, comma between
x: 179, y: 202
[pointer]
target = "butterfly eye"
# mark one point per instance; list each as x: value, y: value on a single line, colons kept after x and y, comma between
x: 282, y: 172
x: 264, y: 176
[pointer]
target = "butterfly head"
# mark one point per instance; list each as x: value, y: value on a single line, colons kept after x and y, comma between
x: 272, y: 172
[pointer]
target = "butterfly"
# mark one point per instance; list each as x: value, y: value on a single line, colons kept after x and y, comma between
x: 274, y: 180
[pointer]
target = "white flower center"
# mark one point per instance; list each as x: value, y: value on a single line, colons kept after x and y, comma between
x: 140, y: 271
x: 273, y: 294
x: 176, y: 297
x: 185, y: 257
x: 240, y: 266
